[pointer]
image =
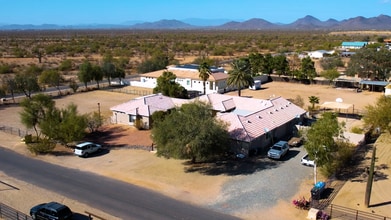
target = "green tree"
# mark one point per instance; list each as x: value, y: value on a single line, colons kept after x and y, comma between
x: 204, y: 73
x: 268, y: 64
x: 240, y: 75
x: 328, y: 63
x: 330, y: 74
x: 9, y: 86
x: 167, y: 86
x: 35, y: 109
x: 65, y: 65
x: 85, y: 73
x: 27, y: 83
x: 108, y: 69
x: 97, y: 74
x: 38, y: 52
x: 379, y: 115
x: 256, y: 61
x: 64, y: 125
x: 308, y: 68
x: 191, y: 132
x: 370, y: 63
x: 320, y: 142
x: 281, y: 64
x: 52, y: 78
x: 156, y: 62
x: 73, y: 85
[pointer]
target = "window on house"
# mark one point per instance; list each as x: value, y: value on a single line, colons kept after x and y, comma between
x: 211, y: 85
x: 132, y: 118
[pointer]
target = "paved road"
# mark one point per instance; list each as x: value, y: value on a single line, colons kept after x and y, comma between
x: 120, y: 199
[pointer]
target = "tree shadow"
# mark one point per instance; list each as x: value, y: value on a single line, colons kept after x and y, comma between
x: 232, y: 167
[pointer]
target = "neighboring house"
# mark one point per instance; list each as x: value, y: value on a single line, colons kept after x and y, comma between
x: 254, y: 124
x: 141, y: 109
x: 354, y: 45
x: 318, y: 54
x: 188, y: 77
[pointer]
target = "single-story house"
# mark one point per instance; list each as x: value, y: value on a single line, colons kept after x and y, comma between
x: 141, y: 109
x: 188, y: 77
x: 354, y: 45
x: 254, y: 124
x: 318, y: 54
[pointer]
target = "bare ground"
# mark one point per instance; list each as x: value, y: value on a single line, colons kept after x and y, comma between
x: 170, y: 177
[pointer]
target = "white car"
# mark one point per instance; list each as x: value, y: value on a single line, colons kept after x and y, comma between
x: 86, y: 148
x: 305, y: 160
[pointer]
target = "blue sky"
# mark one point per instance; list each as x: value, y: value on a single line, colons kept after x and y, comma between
x: 71, y: 12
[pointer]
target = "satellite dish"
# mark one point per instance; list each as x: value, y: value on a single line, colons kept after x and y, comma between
x: 339, y: 100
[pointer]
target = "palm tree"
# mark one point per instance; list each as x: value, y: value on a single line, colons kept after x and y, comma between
x: 240, y: 75
x: 313, y: 100
x: 205, y: 72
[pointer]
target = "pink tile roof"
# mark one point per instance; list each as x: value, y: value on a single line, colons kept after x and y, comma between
x: 252, y: 118
x: 145, y: 105
x: 248, y: 118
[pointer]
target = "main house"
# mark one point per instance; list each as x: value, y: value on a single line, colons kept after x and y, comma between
x: 254, y: 124
x: 188, y: 77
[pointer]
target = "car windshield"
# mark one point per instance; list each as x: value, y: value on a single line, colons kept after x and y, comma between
x: 277, y: 148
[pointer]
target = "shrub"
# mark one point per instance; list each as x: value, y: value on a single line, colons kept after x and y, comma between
x: 43, y: 146
x: 357, y: 130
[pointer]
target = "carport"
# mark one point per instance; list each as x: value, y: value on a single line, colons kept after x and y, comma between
x: 338, y: 106
x: 376, y: 86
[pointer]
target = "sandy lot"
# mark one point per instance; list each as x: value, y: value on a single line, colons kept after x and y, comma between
x: 169, y: 177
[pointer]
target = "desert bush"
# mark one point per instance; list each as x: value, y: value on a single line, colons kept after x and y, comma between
x: 357, y: 130
x: 43, y: 146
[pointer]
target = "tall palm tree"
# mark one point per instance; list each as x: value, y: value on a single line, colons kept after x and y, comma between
x: 205, y: 72
x: 240, y: 75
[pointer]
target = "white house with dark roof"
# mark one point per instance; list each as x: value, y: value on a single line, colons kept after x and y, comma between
x: 254, y: 124
x: 188, y: 77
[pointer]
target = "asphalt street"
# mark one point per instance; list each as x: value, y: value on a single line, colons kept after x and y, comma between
x: 118, y: 198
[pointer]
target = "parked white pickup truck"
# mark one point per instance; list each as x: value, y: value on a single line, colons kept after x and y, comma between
x: 305, y: 160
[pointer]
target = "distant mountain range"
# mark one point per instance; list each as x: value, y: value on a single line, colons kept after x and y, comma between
x: 381, y: 22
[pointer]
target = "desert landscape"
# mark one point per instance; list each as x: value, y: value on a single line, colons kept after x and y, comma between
x: 168, y: 176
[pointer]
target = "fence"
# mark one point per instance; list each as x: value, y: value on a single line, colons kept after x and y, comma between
x: 14, y: 131
x: 340, y: 212
x: 7, y: 212
x: 138, y: 92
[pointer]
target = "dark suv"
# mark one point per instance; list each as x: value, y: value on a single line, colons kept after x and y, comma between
x: 51, y: 211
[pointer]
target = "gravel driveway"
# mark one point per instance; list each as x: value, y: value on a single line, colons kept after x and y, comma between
x: 276, y: 180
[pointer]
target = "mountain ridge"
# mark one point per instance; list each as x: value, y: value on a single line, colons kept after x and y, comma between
x: 308, y: 22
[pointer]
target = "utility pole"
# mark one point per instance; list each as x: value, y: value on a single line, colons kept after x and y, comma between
x: 370, y: 179
x: 100, y: 119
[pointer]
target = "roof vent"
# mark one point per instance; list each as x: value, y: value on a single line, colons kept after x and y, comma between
x: 286, y: 106
x: 276, y: 110
x: 282, y: 107
x: 259, y: 117
x: 270, y: 112
x: 248, y: 121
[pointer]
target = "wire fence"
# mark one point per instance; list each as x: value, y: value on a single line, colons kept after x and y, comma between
x: 8, y: 213
x: 15, y: 131
x: 340, y: 212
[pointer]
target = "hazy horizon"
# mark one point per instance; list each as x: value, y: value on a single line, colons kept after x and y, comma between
x: 73, y: 12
